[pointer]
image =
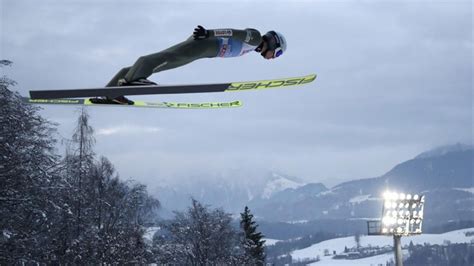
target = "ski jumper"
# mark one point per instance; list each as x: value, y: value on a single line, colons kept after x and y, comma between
x: 220, y: 43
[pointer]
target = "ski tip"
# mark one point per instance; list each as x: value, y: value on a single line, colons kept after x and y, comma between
x: 271, y: 83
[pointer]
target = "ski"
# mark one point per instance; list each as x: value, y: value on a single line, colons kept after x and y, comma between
x: 142, y: 104
x: 113, y: 92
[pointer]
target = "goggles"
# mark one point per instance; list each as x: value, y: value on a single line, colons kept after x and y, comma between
x: 278, y: 51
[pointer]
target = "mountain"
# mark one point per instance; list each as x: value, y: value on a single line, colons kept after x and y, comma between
x: 446, y: 167
x: 278, y: 183
x: 444, y: 175
x: 290, y: 202
x: 444, y: 150
x: 230, y: 193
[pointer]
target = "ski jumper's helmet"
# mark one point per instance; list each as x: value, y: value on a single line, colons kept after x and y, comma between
x: 276, y: 42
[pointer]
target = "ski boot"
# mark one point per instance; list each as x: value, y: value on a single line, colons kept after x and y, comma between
x: 124, y: 82
x: 121, y: 100
x: 138, y: 82
x: 109, y: 100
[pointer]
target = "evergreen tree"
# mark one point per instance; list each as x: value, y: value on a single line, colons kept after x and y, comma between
x: 253, y: 245
x: 30, y: 190
x: 411, y: 247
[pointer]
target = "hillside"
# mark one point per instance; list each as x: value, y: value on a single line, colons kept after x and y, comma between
x: 337, y: 245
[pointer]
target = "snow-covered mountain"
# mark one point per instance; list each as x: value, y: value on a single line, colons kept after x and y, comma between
x: 444, y: 175
x: 337, y: 246
x: 231, y: 193
x: 278, y: 183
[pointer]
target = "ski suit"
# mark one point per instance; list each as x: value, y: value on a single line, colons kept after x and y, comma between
x: 220, y: 43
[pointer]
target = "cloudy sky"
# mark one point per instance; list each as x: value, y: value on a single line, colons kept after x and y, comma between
x: 394, y: 79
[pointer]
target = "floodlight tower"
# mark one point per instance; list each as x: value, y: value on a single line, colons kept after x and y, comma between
x: 402, y: 215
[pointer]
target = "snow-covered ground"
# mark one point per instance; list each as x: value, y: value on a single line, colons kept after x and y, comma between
x: 361, y: 198
x: 338, y: 245
x: 470, y: 190
x: 298, y: 222
x: 372, y: 261
x: 150, y: 232
x: 270, y: 242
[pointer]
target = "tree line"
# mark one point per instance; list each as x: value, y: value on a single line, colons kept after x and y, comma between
x: 457, y: 254
x: 74, y: 208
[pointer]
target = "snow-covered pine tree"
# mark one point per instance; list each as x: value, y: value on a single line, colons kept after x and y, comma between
x: 78, y: 238
x: 253, y: 245
x: 81, y: 159
x: 72, y: 212
x: 30, y: 188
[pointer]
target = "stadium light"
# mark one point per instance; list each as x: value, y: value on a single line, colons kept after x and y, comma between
x: 402, y: 215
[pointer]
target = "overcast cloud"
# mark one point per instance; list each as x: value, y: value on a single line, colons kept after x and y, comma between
x: 394, y: 79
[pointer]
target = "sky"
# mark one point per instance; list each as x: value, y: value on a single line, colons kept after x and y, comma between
x: 394, y: 80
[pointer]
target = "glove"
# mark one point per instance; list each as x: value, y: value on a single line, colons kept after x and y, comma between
x: 200, y: 33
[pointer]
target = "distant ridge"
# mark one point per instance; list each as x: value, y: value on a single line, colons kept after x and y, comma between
x: 443, y: 150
